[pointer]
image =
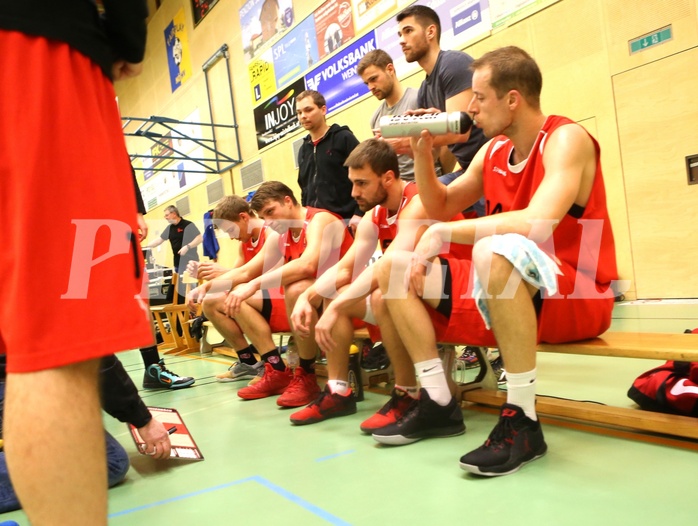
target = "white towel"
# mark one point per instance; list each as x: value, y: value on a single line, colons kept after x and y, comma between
x: 534, y: 265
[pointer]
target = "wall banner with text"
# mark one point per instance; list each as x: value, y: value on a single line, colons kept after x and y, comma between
x: 337, y: 79
x: 296, y: 52
x: 262, y: 78
x: 277, y: 117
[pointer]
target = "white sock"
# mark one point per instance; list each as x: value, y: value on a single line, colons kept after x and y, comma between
x: 432, y: 378
x: 412, y: 390
x: 521, y: 391
x: 339, y: 387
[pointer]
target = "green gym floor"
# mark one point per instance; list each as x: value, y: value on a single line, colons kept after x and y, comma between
x: 259, y: 469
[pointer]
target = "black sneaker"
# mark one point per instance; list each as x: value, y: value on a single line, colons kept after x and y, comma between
x: 157, y: 376
x: 424, y: 419
x: 514, y: 441
x: 376, y: 359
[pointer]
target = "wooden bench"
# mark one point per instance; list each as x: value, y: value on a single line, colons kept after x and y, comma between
x: 655, y: 346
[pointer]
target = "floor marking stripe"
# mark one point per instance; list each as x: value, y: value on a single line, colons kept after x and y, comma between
x: 181, y: 497
x: 260, y: 480
x: 302, y: 503
x: 329, y: 457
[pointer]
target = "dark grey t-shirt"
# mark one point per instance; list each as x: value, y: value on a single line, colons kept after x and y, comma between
x: 451, y: 75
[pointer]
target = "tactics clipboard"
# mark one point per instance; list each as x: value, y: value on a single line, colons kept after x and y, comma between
x: 183, y: 445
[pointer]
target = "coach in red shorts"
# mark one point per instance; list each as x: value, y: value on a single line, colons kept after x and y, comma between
x: 71, y: 266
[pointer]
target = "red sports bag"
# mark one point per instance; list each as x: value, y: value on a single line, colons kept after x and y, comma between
x: 670, y: 388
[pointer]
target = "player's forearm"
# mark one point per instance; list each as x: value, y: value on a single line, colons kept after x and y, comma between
x: 291, y: 272
x: 357, y: 291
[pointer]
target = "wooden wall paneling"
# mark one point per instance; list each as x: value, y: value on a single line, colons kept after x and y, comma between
x: 570, y: 47
x: 657, y: 114
x: 626, y: 20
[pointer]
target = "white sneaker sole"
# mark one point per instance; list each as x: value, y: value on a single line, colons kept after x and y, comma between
x: 401, y: 440
x: 476, y: 470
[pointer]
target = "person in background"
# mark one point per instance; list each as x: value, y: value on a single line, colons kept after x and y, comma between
x: 184, y: 237
x: 377, y: 70
x: 446, y: 87
x: 322, y: 176
x: 156, y: 375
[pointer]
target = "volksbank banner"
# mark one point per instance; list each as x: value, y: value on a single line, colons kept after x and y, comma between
x: 337, y: 79
x: 277, y: 117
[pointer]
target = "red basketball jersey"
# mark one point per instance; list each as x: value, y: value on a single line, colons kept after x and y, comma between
x: 387, y: 226
x: 251, y: 248
x: 292, y: 248
x: 583, y: 240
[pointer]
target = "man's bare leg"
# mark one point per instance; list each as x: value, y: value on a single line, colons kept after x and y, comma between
x: 406, y: 389
x: 343, y: 335
x: 406, y: 309
x: 338, y: 399
x: 307, y: 348
x: 513, y: 317
x: 245, y: 368
x: 517, y: 438
x: 513, y: 321
x: 413, y: 324
x: 253, y: 324
x: 403, y: 367
x: 277, y: 376
x: 437, y: 413
x: 229, y: 329
x: 55, y: 444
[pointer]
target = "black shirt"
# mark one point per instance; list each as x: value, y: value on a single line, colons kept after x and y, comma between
x: 322, y: 176
x: 118, y: 34
x: 179, y: 235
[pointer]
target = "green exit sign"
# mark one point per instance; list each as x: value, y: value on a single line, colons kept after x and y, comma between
x: 653, y: 39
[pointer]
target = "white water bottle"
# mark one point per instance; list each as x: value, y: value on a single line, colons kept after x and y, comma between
x: 293, y: 359
x: 435, y: 123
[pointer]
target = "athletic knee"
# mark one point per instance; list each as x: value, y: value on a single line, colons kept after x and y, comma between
x: 293, y: 290
x: 390, y: 264
x: 491, y: 267
x: 210, y: 307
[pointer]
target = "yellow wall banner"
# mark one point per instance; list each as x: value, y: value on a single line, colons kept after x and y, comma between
x: 177, y: 46
x: 262, y: 77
